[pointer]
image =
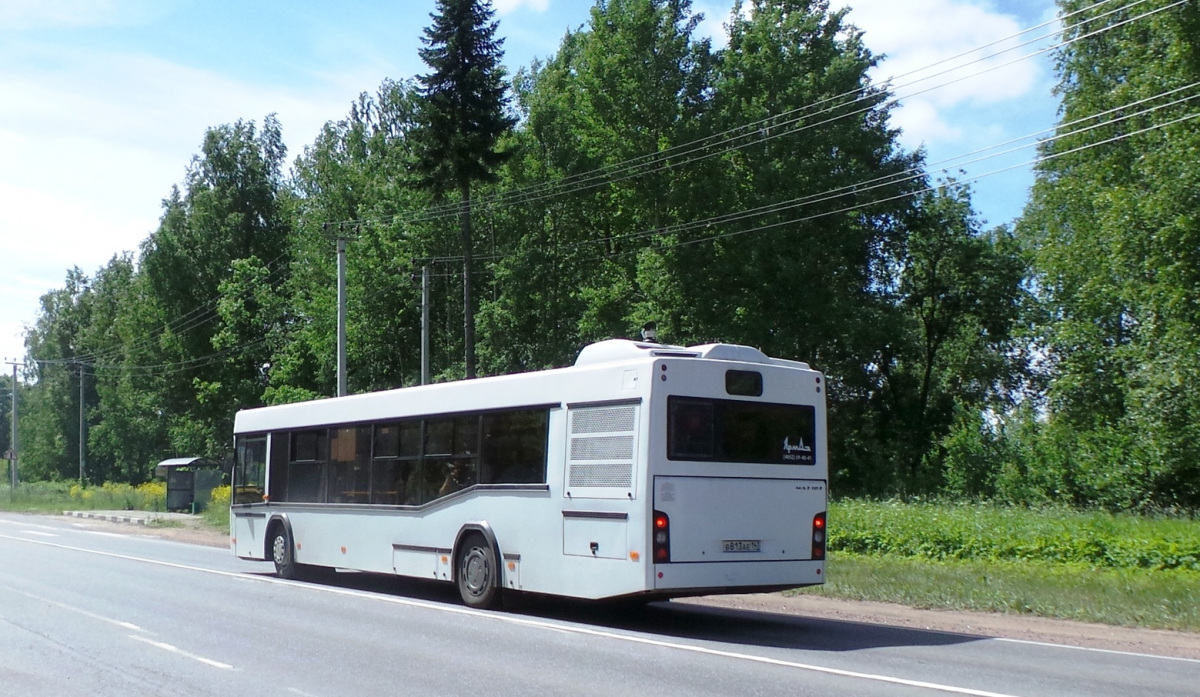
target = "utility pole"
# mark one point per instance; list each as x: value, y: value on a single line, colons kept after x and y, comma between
x: 341, y: 307
x: 12, y: 450
x: 341, y: 316
x: 425, y: 324
x: 82, y: 424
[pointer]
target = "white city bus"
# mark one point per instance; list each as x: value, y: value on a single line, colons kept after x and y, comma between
x: 644, y: 471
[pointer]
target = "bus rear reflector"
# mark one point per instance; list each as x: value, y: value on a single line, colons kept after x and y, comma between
x: 818, y: 536
x: 661, y: 542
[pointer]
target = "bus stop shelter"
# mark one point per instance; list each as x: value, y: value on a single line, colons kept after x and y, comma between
x: 190, y: 481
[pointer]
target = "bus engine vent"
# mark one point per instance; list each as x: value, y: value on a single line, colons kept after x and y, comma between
x: 603, y: 419
x: 602, y: 451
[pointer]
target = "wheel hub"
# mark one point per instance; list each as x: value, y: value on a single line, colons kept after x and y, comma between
x: 279, y: 550
x: 476, y: 572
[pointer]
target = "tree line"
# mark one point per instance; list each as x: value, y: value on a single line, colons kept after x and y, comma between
x: 752, y: 194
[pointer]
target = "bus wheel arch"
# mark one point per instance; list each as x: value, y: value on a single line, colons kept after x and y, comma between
x: 477, y: 569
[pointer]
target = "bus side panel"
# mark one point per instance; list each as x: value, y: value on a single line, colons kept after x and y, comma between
x: 247, y: 531
x: 421, y: 563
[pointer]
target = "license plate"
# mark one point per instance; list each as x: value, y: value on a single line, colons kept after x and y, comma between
x: 742, y: 545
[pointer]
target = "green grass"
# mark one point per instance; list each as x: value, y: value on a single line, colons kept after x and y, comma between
x: 56, y: 497
x: 987, y: 532
x: 1125, y: 570
x: 36, y: 497
x: 1162, y: 599
x: 217, y: 516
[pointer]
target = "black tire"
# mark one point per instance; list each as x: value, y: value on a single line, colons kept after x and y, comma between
x: 283, y: 553
x: 478, y: 574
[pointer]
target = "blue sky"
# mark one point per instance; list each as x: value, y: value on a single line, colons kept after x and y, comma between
x: 104, y: 102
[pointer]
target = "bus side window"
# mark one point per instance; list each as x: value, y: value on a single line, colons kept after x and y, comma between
x: 251, y: 470
x: 306, y: 472
x: 350, y: 465
x: 514, y: 447
x: 277, y: 476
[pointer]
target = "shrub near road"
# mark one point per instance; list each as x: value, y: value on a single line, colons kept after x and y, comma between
x: 981, y: 532
x: 1094, y: 567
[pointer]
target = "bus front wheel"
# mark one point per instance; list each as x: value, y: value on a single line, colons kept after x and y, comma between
x: 283, y: 553
x: 477, y: 574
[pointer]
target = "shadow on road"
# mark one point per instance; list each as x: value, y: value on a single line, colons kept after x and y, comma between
x: 675, y: 620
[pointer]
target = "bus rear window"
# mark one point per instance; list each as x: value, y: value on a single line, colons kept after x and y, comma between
x: 743, y: 383
x: 722, y: 430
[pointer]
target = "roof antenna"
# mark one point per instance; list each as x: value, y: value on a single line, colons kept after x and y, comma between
x: 650, y: 332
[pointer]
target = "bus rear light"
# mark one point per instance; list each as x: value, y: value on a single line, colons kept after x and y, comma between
x: 662, y: 538
x: 818, y: 536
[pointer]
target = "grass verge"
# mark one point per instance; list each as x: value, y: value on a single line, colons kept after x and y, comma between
x: 1160, y: 599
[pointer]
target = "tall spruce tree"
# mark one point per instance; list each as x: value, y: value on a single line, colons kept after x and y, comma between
x: 462, y: 117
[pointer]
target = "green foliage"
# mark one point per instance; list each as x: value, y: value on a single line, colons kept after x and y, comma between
x: 40, y: 496
x: 1115, y: 234
x: 987, y: 532
x: 55, y: 497
x: 640, y: 174
x: 216, y: 511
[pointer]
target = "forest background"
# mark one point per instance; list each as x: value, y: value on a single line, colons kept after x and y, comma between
x: 753, y: 194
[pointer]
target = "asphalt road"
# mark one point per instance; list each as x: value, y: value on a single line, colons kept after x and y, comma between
x: 90, y: 613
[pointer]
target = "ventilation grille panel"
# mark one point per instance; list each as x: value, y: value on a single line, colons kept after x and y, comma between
x: 602, y: 476
x: 604, y: 419
x: 603, y: 448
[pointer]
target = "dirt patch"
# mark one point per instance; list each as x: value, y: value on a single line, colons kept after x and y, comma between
x: 986, y: 624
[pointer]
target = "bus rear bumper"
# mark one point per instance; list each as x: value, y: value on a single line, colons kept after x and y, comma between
x: 744, y: 576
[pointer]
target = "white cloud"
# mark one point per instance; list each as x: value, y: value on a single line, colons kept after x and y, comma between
x: 933, y: 59
x: 43, y: 235
x: 716, y: 13
x: 921, y: 122
x: 916, y: 36
x: 90, y: 144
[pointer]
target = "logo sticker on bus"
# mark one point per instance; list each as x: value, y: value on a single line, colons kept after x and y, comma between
x: 798, y: 452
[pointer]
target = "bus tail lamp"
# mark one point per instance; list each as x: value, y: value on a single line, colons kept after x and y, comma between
x: 818, y: 547
x: 662, y: 538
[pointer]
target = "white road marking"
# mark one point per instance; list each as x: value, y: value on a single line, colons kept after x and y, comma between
x: 120, y: 623
x: 39, y: 532
x: 181, y: 652
x: 27, y: 524
x: 1096, y: 650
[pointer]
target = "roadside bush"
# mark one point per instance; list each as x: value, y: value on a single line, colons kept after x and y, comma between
x: 987, y: 532
x: 217, y: 510
x: 150, y: 496
x: 35, y: 496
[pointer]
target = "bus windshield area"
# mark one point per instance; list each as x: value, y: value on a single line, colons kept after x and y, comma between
x: 723, y: 430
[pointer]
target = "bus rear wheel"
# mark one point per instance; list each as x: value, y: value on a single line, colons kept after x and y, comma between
x: 476, y: 573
